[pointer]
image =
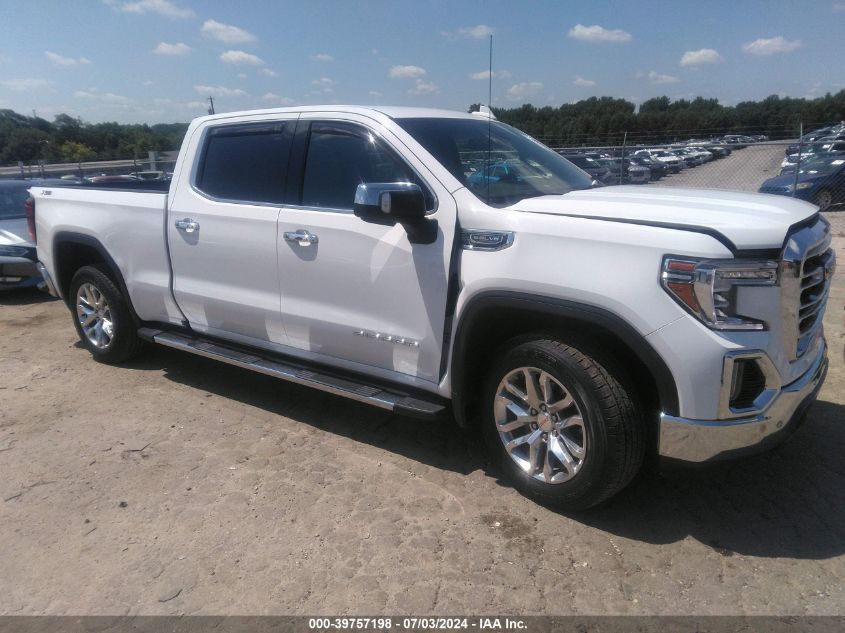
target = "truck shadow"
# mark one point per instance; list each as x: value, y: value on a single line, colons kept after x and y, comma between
x: 439, y: 444
x: 787, y: 503
x: 24, y: 296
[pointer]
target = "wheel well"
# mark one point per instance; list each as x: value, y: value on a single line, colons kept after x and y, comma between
x: 484, y: 330
x: 70, y: 257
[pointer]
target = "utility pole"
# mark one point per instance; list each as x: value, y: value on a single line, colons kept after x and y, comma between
x: 211, y: 105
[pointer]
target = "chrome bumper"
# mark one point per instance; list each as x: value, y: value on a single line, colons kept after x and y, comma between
x: 699, y: 441
x: 48, y: 281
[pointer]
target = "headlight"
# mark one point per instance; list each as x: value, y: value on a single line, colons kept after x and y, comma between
x: 707, y: 288
x: 13, y: 251
x: 804, y: 185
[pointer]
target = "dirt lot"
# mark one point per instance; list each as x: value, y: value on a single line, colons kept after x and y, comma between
x: 178, y: 485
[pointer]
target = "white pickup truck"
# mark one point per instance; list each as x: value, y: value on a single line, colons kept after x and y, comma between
x: 428, y: 261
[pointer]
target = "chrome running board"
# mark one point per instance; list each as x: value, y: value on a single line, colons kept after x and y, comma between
x: 392, y: 400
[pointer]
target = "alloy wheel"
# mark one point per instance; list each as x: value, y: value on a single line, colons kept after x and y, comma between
x: 540, y: 425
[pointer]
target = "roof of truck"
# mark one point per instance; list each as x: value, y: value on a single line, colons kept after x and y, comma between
x: 394, y: 112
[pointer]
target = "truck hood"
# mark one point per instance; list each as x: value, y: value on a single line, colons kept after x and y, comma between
x: 739, y: 220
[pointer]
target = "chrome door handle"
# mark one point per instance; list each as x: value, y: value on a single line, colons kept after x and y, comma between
x: 187, y: 225
x: 301, y: 237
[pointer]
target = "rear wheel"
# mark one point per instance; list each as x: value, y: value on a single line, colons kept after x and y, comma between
x: 565, y: 426
x: 824, y: 199
x: 102, y: 317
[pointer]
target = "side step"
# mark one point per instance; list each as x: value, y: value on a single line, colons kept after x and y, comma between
x: 391, y: 400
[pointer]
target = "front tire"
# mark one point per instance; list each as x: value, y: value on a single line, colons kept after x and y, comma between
x: 102, y: 316
x: 565, y: 426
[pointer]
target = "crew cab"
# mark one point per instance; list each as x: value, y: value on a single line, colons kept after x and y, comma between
x: 354, y: 250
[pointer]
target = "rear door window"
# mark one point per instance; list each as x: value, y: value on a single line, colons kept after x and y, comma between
x: 246, y: 163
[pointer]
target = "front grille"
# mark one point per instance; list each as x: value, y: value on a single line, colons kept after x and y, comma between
x: 816, y: 274
x: 808, y: 265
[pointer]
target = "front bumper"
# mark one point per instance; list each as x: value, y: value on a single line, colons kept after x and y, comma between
x: 700, y: 441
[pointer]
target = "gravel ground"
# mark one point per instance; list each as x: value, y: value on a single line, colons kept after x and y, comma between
x: 178, y: 485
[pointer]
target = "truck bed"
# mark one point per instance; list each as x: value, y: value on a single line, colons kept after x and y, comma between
x: 127, y: 222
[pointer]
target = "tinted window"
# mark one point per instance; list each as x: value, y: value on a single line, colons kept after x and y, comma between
x: 11, y: 201
x: 246, y: 162
x: 499, y: 164
x: 342, y: 156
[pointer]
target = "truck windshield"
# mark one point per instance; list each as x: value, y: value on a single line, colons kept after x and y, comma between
x: 501, y: 169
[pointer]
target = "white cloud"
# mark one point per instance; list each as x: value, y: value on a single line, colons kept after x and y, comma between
x: 23, y: 85
x: 226, y: 33
x: 61, y: 60
x: 481, y: 75
x: 241, y: 57
x: 524, y: 89
x: 322, y: 57
x: 269, y: 72
x: 424, y: 88
x: 278, y: 99
x: 657, y: 78
x: 478, y: 32
x: 172, y: 49
x: 219, y: 91
x: 598, y: 33
x: 105, y: 97
x: 242, y: 75
x: 375, y: 93
x: 771, y: 46
x: 583, y: 83
x: 484, y: 75
x: 701, y: 56
x: 324, y: 84
x: 406, y: 72
x: 161, y: 7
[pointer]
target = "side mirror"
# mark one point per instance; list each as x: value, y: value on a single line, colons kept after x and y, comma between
x: 389, y: 202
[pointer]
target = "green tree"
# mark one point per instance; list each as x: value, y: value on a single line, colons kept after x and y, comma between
x: 74, y: 152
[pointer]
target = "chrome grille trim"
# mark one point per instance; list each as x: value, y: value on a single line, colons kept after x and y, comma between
x: 806, y: 272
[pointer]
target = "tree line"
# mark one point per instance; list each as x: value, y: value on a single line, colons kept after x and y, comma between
x: 593, y: 121
x: 606, y: 120
x: 67, y: 139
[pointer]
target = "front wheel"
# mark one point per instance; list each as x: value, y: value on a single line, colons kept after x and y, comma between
x: 565, y: 426
x: 102, y: 316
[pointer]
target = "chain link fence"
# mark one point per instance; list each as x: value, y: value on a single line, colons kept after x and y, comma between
x: 153, y: 168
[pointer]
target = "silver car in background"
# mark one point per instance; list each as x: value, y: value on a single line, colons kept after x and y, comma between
x: 17, y: 252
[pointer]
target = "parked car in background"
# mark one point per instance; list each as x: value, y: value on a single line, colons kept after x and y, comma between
x: 17, y: 251
x: 810, y: 137
x: 104, y: 178
x: 623, y: 171
x: 687, y: 157
x: 819, y: 149
x: 821, y: 180
x: 672, y: 162
x: 657, y: 169
x: 592, y: 166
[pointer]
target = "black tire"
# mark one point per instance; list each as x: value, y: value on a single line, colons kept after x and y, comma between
x: 124, y: 343
x: 823, y: 199
x: 613, y: 419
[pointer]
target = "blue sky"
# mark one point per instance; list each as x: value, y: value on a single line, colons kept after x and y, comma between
x: 157, y: 60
